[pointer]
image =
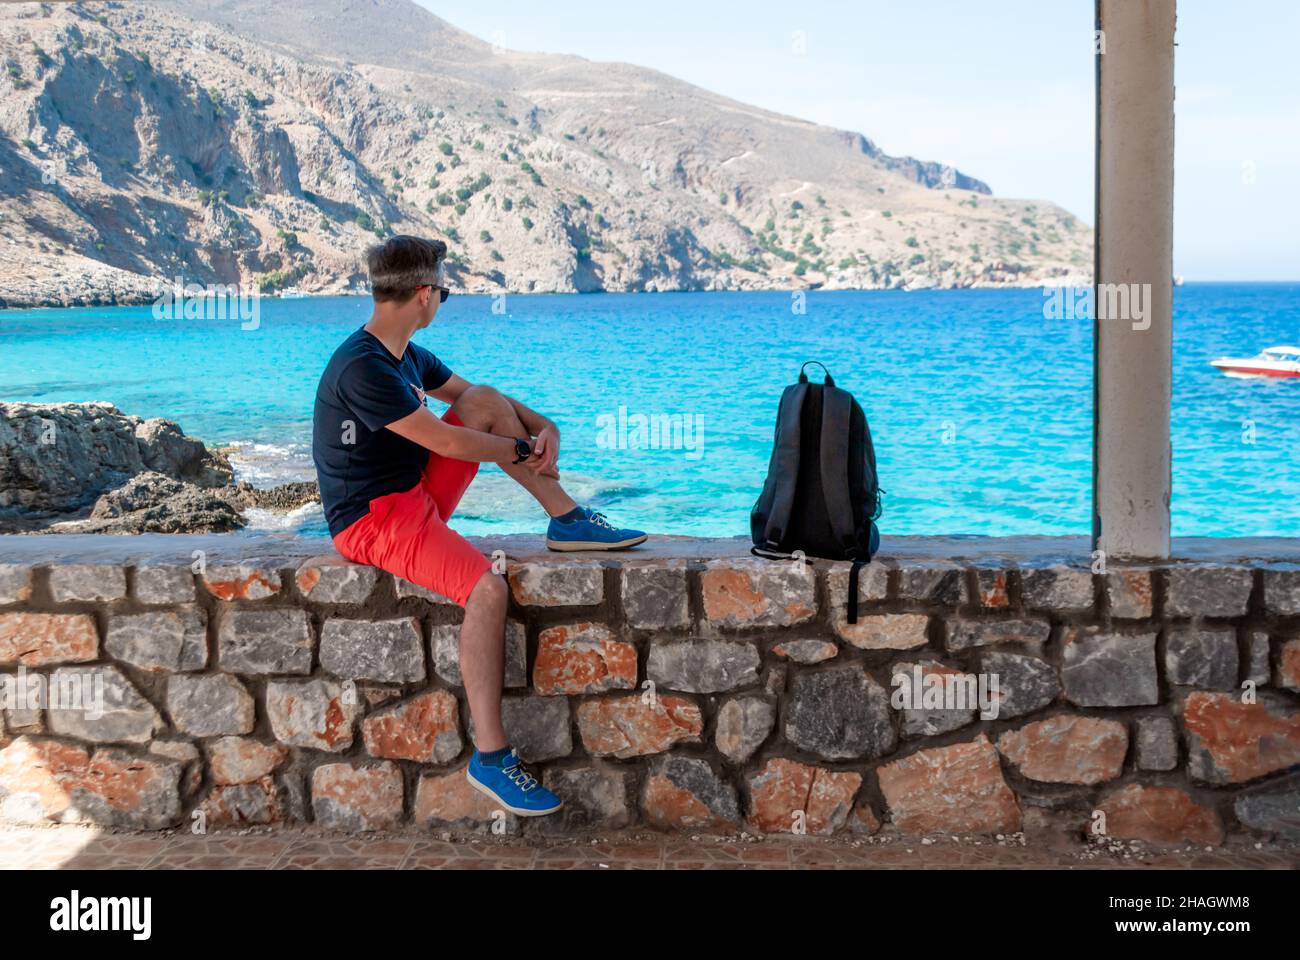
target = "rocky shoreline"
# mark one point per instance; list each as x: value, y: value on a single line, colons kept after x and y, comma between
x: 89, y: 468
x: 40, y: 297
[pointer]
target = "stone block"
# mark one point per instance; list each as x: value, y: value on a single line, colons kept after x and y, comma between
x: 263, y: 642
x: 209, y: 705
x: 1202, y: 657
x: 164, y: 585
x: 790, y: 797
x: 744, y: 724
x: 332, y: 580
x: 684, y: 793
x: 245, y: 581
x: 1207, y: 590
x: 165, y: 641
x: 424, y: 729
x: 1109, y: 669
x: 79, y: 582
x: 558, y: 584
x: 583, y: 658
x: 385, y: 651
x: 953, y: 789
x: 44, y: 639
x: 740, y: 594
x: 1067, y: 749
x: 839, y: 714
x: 357, y: 799
x: 316, y: 714
x: 655, y: 596
x: 638, y: 725
x: 703, y: 666
x: 101, y: 705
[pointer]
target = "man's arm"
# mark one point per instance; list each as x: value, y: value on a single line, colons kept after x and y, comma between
x: 455, y: 443
x: 546, y: 432
x: 450, y: 391
x: 533, y: 421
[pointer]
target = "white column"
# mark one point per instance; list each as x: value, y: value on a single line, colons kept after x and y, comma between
x: 1134, y: 276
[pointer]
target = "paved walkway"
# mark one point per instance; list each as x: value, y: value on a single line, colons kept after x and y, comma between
x: 81, y: 847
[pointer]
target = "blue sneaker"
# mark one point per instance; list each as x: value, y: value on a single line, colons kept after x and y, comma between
x: 592, y: 531
x: 512, y: 786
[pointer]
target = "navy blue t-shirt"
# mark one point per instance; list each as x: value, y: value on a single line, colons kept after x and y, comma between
x: 363, y: 390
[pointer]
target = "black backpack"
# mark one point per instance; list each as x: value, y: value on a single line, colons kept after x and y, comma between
x: 821, y: 496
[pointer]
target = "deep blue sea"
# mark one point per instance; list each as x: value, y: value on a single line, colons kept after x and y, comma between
x: 981, y: 409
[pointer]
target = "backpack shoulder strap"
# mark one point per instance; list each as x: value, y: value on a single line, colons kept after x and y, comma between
x: 855, y: 572
x: 785, y: 463
x: 837, y: 410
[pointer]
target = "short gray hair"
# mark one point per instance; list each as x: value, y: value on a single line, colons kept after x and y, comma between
x: 400, y: 266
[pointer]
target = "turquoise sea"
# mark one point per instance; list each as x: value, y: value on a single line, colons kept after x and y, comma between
x: 981, y: 409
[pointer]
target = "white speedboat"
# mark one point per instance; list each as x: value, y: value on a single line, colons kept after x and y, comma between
x: 1274, y: 362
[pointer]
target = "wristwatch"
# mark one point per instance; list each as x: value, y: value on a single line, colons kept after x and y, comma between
x: 523, y: 450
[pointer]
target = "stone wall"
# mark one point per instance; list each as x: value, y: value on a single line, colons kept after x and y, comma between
x: 681, y: 693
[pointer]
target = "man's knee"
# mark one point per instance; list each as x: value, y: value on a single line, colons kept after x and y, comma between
x: 480, y: 407
x: 490, y: 593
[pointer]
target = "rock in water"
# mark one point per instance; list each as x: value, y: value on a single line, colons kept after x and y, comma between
x: 153, y: 503
x: 166, y: 450
x: 60, y: 458
x: 287, y: 496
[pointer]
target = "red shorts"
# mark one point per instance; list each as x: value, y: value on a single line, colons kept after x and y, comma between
x: 407, y: 535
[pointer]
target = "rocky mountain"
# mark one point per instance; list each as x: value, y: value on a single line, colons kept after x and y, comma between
x: 225, y: 141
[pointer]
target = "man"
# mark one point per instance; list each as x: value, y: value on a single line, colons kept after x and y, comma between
x: 391, y: 474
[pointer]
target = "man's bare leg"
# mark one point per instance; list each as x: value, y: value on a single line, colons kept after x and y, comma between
x: 482, y: 636
x: 493, y: 770
x: 483, y: 661
x: 486, y: 410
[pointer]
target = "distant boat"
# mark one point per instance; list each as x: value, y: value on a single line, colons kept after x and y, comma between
x: 1276, y: 362
x: 292, y: 293
x: 1179, y: 281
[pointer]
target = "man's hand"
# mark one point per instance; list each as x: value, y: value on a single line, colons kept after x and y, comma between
x: 546, y: 452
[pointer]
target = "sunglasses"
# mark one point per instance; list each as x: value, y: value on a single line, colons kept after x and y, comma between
x: 443, y: 292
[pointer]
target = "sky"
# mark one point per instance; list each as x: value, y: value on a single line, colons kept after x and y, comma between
x: 1001, y: 89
